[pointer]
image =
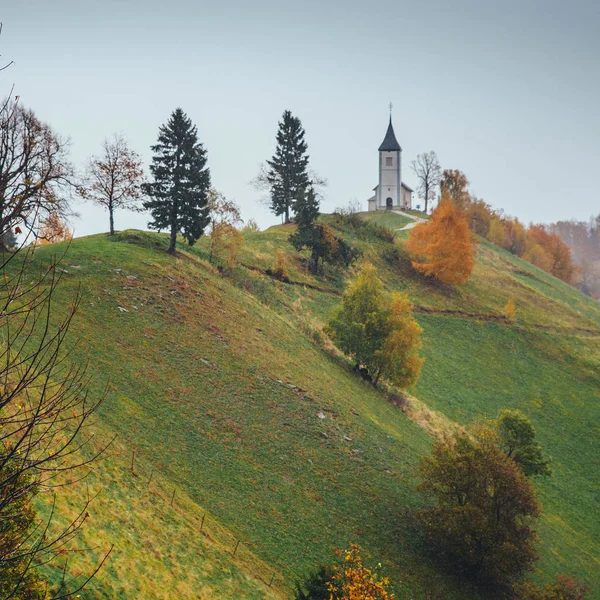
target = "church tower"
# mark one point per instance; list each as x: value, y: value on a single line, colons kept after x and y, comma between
x: 391, y: 193
x: 390, y: 171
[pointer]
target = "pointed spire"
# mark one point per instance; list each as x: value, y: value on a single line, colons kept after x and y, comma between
x: 390, y: 143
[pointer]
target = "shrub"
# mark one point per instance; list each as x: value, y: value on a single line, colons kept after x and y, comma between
x: 510, y: 310
x: 352, y: 580
x: 314, y: 587
x: 225, y: 244
x: 362, y: 228
x: 279, y: 271
x: 483, y: 510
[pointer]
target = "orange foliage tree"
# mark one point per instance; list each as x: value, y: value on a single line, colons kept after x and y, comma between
x: 443, y: 247
x: 53, y: 229
x: 351, y: 580
x: 455, y: 182
x: 559, y: 255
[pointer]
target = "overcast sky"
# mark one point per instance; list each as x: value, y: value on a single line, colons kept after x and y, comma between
x: 508, y: 92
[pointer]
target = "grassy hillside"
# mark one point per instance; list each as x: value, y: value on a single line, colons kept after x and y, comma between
x: 219, y: 387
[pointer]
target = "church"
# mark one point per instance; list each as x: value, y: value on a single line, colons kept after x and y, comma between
x: 391, y: 193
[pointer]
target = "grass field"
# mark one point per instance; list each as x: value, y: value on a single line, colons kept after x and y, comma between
x: 218, y: 386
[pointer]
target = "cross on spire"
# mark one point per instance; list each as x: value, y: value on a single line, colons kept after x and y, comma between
x: 391, y: 106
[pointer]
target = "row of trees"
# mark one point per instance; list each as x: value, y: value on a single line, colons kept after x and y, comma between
x: 542, y: 245
x: 583, y: 240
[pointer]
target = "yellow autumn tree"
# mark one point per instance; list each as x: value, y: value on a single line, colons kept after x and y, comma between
x: 53, y: 229
x: 398, y: 359
x: 225, y: 244
x: 352, y: 580
x: 443, y: 247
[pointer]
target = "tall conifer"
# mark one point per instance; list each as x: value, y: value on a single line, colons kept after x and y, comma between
x: 287, y: 174
x: 179, y: 192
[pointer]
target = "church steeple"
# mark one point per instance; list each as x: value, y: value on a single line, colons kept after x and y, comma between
x: 390, y: 143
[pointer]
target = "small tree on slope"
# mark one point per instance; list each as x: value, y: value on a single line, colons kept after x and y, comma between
x: 443, y: 247
x: 179, y: 192
x: 483, y: 510
x: 113, y: 180
x: 377, y: 333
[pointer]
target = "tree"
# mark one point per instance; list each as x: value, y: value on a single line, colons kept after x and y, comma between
x: 398, y: 359
x: 517, y: 441
x: 480, y: 216
x: 358, y: 325
x: 428, y: 171
x: 34, y: 169
x: 113, y: 180
x: 53, y: 229
x: 378, y: 333
x: 496, y: 233
x: 225, y: 244
x: 484, y: 508
x: 225, y: 239
x: 321, y: 241
x: 559, y: 255
x: 443, y: 246
x: 287, y: 174
x: 44, y: 408
x: 179, y: 192
x: 515, y: 236
x: 455, y: 182
x: 352, y: 580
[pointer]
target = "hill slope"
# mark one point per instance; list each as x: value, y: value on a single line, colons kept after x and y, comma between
x: 218, y: 386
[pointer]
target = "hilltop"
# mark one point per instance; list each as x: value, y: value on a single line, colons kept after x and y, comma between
x: 229, y: 402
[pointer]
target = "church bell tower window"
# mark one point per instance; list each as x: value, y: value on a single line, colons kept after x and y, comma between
x: 389, y: 161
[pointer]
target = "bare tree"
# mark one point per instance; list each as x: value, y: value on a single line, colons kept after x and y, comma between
x: 44, y: 406
x: 35, y: 173
x: 113, y: 180
x: 428, y: 171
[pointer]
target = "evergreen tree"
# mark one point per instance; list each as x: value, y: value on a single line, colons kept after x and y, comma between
x: 287, y: 175
x: 179, y: 192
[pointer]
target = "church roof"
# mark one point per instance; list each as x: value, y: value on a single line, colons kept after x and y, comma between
x: 390, y: 143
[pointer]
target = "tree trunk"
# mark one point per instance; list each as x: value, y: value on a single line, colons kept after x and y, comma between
x: 287, y: 215
x: 111, y: 218
x: 426, y: 197
x: 173, y: 238
x: 313, y: 262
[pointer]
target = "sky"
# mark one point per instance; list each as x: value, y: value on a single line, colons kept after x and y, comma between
x: 508, y: 92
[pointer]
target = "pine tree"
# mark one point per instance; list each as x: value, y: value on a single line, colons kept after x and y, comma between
x: 179, y: 192
x: 287, y: 174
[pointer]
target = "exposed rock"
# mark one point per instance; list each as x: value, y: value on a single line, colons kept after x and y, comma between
x: 321, y: 415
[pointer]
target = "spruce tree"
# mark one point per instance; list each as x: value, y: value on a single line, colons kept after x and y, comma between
x: 179, y: 192
x: 287, y: 174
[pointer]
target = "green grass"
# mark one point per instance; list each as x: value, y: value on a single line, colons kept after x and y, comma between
x: 198, y: 368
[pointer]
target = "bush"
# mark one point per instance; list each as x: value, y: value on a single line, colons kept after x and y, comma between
x: 484, y: 508
x: 279, y: 271
x: 362, y: 228
x: 314, y: 587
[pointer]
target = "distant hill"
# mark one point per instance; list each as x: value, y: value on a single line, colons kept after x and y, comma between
x: 236, y: 408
